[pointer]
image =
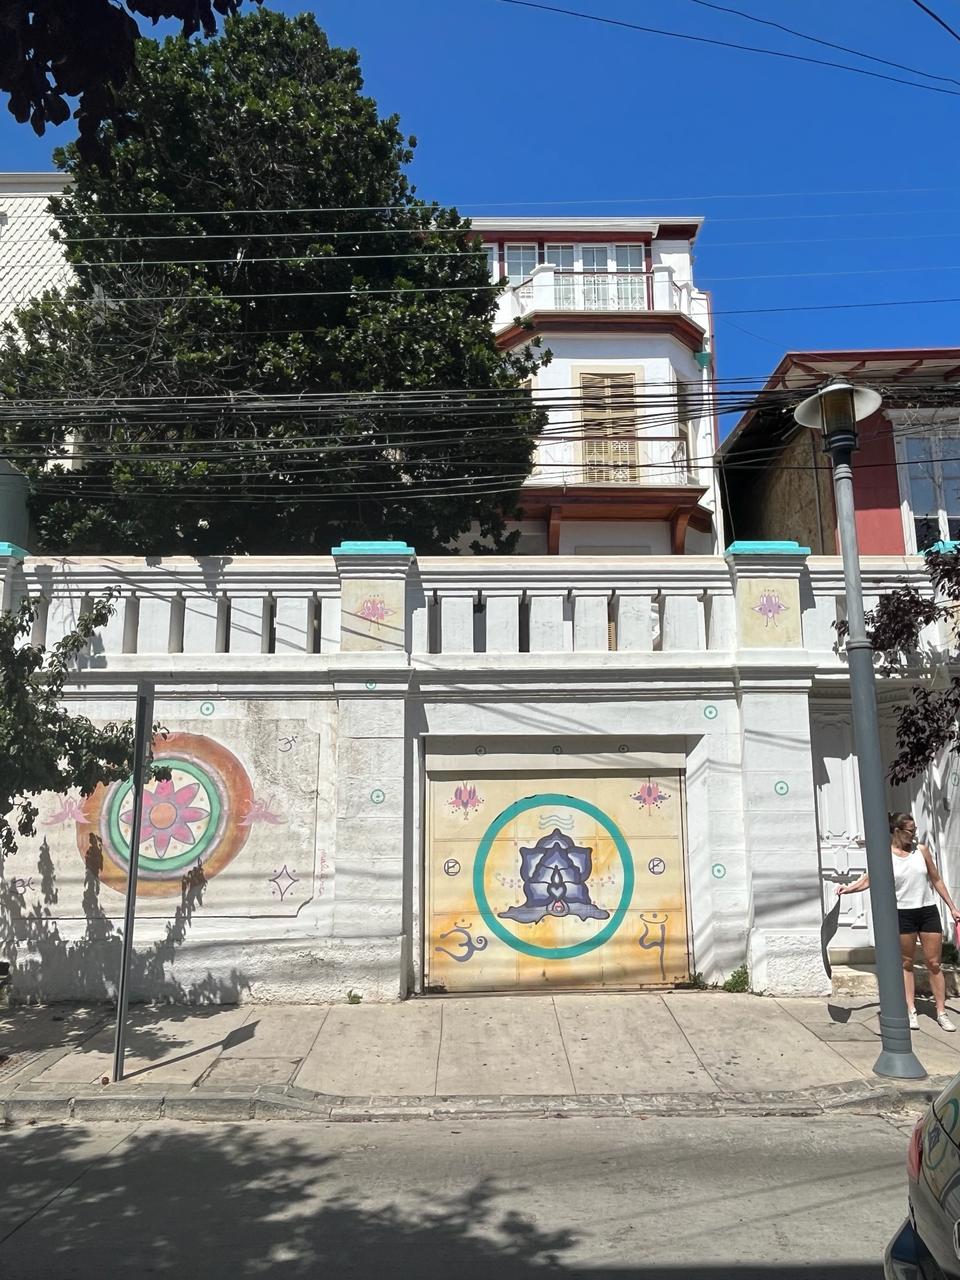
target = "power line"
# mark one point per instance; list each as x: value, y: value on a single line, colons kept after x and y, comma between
x: 936, y: 17
x: 829, y: 44
x: 511, y: 204
x: 728, y: 44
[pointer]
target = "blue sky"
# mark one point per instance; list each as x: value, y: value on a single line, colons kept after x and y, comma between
x: 515, y: 109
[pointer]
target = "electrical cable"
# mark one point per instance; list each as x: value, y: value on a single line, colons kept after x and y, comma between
x: 727, y: 44
x: 936, y: 17
x: 829, y: 44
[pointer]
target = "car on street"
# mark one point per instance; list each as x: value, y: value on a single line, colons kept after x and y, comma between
x: 927, y: 1246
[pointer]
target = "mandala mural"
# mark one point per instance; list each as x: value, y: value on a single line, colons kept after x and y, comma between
x: 198, y: 817
x: 558, y: 884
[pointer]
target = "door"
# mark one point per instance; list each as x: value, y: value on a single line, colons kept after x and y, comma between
x: 569, y: 880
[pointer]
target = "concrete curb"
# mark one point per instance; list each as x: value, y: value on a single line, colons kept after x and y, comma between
x: 32, y: 1104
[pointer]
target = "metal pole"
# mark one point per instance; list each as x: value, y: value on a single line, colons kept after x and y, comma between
x: 896, y: 1056
x: 143, y: 734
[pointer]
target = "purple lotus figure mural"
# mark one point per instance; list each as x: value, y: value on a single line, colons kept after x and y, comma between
x: 769, y: 606
x: 554, y: 874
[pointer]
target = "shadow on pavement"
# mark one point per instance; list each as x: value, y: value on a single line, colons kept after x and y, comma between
x: 241, y: 1203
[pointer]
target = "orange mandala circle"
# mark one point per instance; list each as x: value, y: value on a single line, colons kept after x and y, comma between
x: 197, y: 817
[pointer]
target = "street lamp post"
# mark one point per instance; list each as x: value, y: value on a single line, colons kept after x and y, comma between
x: 836, y: 409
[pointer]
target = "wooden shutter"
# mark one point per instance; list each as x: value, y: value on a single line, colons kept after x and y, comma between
x: 608, y: 412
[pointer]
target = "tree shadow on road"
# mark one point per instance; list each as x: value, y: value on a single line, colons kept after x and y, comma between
x: 255, y: 1202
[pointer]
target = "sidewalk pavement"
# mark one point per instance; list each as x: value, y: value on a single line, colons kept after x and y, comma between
x: 566, y: 1054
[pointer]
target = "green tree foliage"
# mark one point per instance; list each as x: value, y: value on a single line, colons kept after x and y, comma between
x: 51, y: 50
x: 358, y: 286
x: 42, y: 746
x: 929, y: 723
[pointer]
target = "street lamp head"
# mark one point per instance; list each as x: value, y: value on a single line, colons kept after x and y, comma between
x: 838, y: 406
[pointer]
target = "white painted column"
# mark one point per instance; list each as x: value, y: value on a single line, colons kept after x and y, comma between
x: 503, y: 621
x: 456, y: 622
x: 683, y: 623
x: 546, y: 623
x: 721, y: 621
x: 153, y: 629
x: 633, y: 614
x: 591, y: 622
x: 293, y: 624
x: 247, y: 622
x: 200, y: 624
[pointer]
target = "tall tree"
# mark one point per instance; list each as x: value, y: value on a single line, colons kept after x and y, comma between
x: 928, y: 724
x: 51, y: 50
x: 43, y: 746
x: 253, y: 235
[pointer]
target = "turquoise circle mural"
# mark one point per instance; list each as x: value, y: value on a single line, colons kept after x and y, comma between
x: 491, y: 920
x: 184, y: 803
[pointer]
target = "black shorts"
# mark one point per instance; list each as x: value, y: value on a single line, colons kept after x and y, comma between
x: 920, y: 920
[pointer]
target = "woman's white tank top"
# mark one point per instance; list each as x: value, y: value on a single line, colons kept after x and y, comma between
x: 912, y: 882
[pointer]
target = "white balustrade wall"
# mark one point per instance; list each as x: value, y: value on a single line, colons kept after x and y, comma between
x: 455, y: 606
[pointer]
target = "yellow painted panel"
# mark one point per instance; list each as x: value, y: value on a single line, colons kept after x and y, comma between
x: 768, y: 613
x: 553, y: 883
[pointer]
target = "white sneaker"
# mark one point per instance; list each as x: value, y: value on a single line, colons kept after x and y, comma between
x: 944, y: 1023
x: 914, y: 1020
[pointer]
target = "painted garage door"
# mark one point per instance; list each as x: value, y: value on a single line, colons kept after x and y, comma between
x: 559, y: 881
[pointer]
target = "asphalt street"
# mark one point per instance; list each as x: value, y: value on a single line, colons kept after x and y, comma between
x: 655, y: 1199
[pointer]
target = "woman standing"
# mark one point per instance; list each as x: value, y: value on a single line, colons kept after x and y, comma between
x: 917, y: 883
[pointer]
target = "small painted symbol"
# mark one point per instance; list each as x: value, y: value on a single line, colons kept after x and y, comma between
x: 374, y: 610
x: 769, y: 606
x: 650, y: 796
x: 656, y: 920
x: 781, y: 788
x: 557, y: 751
x: 656, y: 866
x: 565, y: 821
x: 718, y: 871
x: 20, y: 886
x: 955, y: 778
x: 481, y: 751
x: 260, y: 811
x: 286, y: 744
x: 451, y: 867
x: 71, y: 810
x: 371, y: 684
x: 207, y: 708
x: 466, y: 799
x: 284, y: 881
x: 467, y: 944
x: 623, y: 747
x: 710, y: 712
x: 378, y: 796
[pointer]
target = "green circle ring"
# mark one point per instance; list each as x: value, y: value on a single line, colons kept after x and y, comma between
x: 480, y: 893
x: 189, y: 856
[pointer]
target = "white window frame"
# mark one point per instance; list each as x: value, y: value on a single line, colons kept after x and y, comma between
x: 939, y: 438
x: 518, y: 244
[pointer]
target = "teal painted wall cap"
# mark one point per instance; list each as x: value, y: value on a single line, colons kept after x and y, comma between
x: 11, y: 549
x: 942, y: 547
x: 766, y: 549
x: 373, y: 549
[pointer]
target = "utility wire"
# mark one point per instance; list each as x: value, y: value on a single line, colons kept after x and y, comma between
x: 936, y: 17
x: 829, y: 44
x: 512, y: 204
x: 728, y: 44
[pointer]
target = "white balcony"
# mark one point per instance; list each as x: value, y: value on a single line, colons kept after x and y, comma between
x: 549, y: 289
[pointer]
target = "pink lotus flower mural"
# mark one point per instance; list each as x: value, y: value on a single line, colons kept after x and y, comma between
x: 168, y: 814
x: 71, y: 810
x: 466, y: 799
x: 260, y: 811
x: 650, y: 796
x: 374, y: 610
x: 769, y: 606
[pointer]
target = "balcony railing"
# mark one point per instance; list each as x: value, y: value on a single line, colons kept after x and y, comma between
x: 550, y: 289
x: 195, y: 611
x: 620, y: 458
